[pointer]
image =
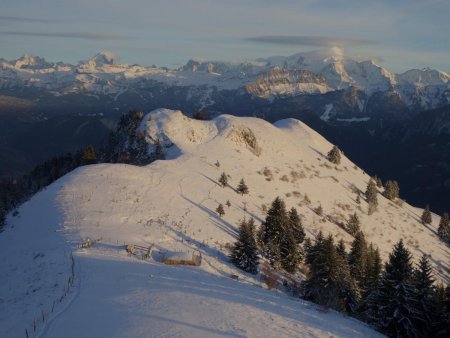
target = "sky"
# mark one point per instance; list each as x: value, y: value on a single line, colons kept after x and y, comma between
x: 399, y: 34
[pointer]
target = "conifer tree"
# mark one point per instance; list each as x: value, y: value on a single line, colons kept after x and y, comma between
x: 329, y: 282
x: 391, y: 190
x: 373, y: 269
x: 244, y: 253
x: 228, y: 203
x: 220, y: 211
x: 334, y: 155
x: 223, y: 180
x: 242, y: 187
x: 426, y: 215
x: 378, y: 181
x: 353, y: 224
x: 357, y: 260
x: 444, y: 228
x: 392, y: 307
x: 372, y: 196
x: 89, y: 156
x: 425, y: 296
x: 319, y: 210
x: 272, y: 230
x: 289, y: 251
x: 296, y: 226
x: 340, y: 249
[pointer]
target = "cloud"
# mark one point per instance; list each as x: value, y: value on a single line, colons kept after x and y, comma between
x: 24, y: 19
x: 72, y: 35
x: 318, y: 41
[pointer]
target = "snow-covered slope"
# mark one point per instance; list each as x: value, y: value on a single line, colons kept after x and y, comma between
x: 303, y: 73
x: 171, y: 204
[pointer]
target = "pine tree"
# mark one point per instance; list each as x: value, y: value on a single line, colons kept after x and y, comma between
x: 296, y: 226
x: 391, y: 190
x: 319, y: 210
x: 289, y: 251
x: 426, y: 216
x: 244, y: 253
x: 340, y: 249
x: 272, y: 230
x: 89, y: 156
x: 392, y: 307
x: 220, y: 211
x: 242, y: 187
x: 425, y: 296
x: 353, y: 224
x: 329, y: 282
x: 378, y: 181
x: 334, y: 155
x: 223, y: 180
x: 228, y: 203
x: 357, y: 260
x: 372, y: 196
x: 373, y: 270
x: 444, y: 228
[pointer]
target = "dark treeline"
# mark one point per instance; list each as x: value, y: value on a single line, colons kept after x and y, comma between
x: 126, y: 144
x: 397, y: 298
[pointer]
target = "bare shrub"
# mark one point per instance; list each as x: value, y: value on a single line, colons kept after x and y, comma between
x: 284, y: 178
x: 399, y: 202
x: 269, y: 276
x: 296, y: 194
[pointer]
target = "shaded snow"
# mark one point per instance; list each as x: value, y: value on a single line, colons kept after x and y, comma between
x: 171, y: 204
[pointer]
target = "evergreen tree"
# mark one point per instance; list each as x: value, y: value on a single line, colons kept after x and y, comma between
x: 392, y: 307
x: 244, y: 253
x: 357, y: 260
x: 272, y: 230
x: 296, y: 226
x: 425, y: 296
x: 426, y: 215
x: 89, y: 156
x: 242, y: 187
x: 378, y: 181
x: 372, y: 196
x: 220, y: 211
x: 334, y: 155
x: 391, y: 190
x: 289, y: 251
x: 223, y: 180
x: 353, y: 224
x: 444, y: 228
x: 228, y: 203
x: 374, y: 267
x: 340, y: 249
x: 329, y: 282
x: 313, y: 250
x: 319, y: 210
x: 142, y: 156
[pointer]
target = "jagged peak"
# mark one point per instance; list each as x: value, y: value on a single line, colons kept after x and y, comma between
x: 31, y: 61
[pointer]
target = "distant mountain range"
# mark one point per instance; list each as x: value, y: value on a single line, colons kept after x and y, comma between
x: 312, y: 73
x: 381, y: 119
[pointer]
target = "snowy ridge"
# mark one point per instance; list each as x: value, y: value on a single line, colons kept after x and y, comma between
x: 314, y: 72
x: 171, y: 204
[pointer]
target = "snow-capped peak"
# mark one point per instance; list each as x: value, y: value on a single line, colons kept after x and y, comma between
x: 31, y: 62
